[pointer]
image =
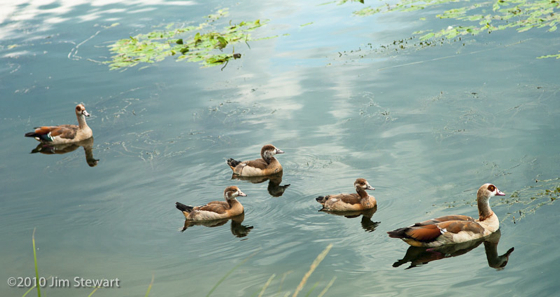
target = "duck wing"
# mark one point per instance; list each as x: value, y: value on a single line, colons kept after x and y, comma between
x: 430, y: 232
x: 62, y: 131
x: 219, y: 207
x: 445, y: 219
x: 347, y: 198
x: 258, y: 163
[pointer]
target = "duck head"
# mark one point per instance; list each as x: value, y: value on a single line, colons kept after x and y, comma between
x: 230, y: 193
x: 361, y: 183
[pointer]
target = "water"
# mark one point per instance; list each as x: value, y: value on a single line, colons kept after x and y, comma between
x: 426, y: 127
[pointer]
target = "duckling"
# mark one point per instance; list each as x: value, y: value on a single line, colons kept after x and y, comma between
x: 267, y: 165
x: 454, y: 228
x: 350, y: 202
x: 216, y: 209
x: 64, y: 133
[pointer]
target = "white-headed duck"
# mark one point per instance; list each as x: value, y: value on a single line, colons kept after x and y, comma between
x: 215, y: 210
x: 350, y: 202
x: 454, y: 228
x: 64, y: 133
x: 267, y: 165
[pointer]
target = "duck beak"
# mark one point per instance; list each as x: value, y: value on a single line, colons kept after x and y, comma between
x: 370, y: 188
x: 241, y: 194
x: 85, y: 113
x: 279, y: 151
x: 498, y: 193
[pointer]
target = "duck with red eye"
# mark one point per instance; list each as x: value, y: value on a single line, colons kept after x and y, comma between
x: 63, y: 134
x: 350, y: 202
x: 454, y: 228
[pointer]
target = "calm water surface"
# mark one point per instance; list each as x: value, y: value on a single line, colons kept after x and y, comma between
x: 426, y: 127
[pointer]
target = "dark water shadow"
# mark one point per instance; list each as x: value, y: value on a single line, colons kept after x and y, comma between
x: 274, y: 181
x: 367, y: 224
x: 237, y: 229
x: 60, y: 149
x: 418, y: 256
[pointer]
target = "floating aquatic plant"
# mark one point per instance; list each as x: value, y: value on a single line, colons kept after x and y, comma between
x: 204, y: 45
x: 489, y: 16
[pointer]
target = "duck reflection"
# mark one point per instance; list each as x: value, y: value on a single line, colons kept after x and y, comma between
x: 367, y: 224
x: 237, y: 229
x: 274, y: 187
x: 51, y: 149
x: 418, y: 256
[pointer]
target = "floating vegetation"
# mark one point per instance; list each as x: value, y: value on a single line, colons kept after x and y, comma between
x: 207, y: 48
x: 526, y: 200
x: 522, y: 15
x: 340, y: 2
x: 544, y: 192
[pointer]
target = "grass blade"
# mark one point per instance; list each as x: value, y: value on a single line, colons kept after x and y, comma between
x: 327, y: 287
x: 35, y: 259
x: 229, y: 272
x: 150, y: 286
x: 314, y: 265
x: 312, y: 289
x: 282, y: 282
x: 28, y: 291
x: 266, y: 285
x: 93, y: 291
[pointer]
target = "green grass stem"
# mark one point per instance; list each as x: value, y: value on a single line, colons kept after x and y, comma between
x: 267, y: 284
x: 93, y: 291
x: 229, y: 272
x: 327, y: 287
x: 30, y: 289
x: 35, y: 259
x: 314, y: 265
x: 150, y: 286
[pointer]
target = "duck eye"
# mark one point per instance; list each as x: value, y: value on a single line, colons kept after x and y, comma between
x: 491, y: 188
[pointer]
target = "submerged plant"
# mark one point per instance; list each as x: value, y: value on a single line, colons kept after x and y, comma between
x: 203, y: 47
x: 487, y: 16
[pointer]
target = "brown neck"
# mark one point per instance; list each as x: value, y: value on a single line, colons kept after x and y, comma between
x: 232, y: 202
x: 361, y: 192
x: 267, y: 159
x: 81, y: 121
x: 484, y: 211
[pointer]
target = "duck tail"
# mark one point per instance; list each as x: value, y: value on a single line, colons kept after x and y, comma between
x: 321, y: 199
x: 184, y: 208
x: 398, y: 233
x: 39, y: 135
x: 232, y: 163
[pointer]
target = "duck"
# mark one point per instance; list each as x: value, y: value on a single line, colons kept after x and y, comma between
x: 454, y: 229
x: 63, y: 134
x: 350, y: 202
x: 215, y: 210
x: 267, y: 165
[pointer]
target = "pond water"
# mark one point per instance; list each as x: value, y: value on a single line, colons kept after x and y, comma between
x: 425, y: 126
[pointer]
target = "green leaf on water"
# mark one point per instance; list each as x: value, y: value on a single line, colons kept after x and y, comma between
x: 204, y: 46
x: 427, y: 36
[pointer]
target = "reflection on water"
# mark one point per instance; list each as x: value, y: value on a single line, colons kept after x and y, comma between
x: 50, y: 149
x: 367, y: 224
x: 418, y: 256
x: 237, y: 229
x: 274, y: 181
